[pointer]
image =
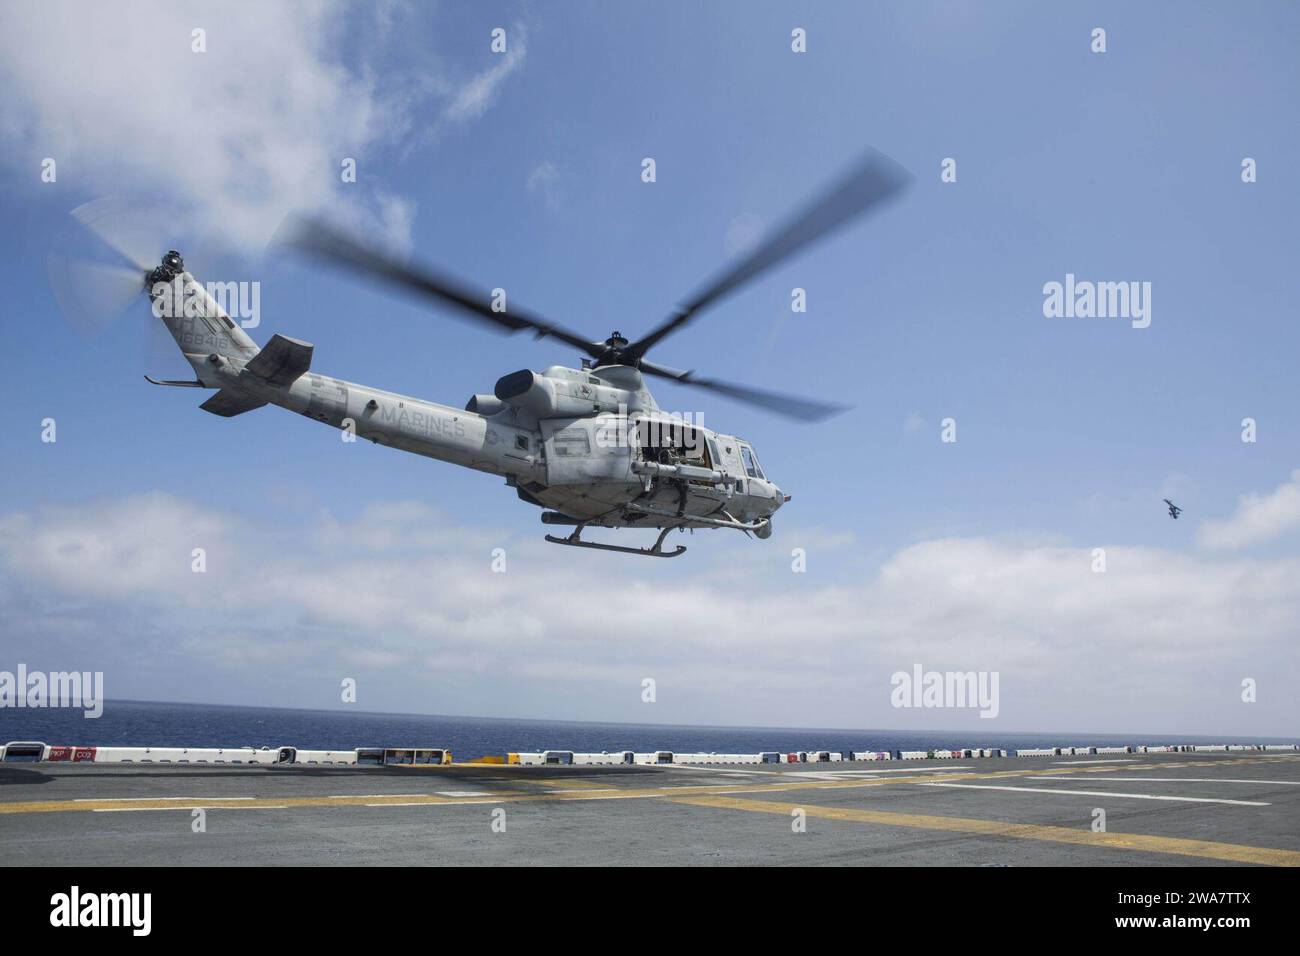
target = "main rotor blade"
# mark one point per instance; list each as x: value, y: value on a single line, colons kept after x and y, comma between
x: 869, y: 184
x: 329, y: 245
x: 804, y: 409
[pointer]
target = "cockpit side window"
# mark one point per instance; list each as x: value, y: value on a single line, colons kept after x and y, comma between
x: 713, y: 453
x: 751, y: 464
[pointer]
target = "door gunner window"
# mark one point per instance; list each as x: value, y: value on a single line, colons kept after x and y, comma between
x: 672, y: 442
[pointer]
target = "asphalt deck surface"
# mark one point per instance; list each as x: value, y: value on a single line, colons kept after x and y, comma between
x: 1160, y: 809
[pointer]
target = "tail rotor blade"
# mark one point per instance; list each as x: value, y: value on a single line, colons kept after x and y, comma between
x: 127, y: 229
x: 92, y: 296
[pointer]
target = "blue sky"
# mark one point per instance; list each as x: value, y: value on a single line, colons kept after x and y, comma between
x: 526, y: 174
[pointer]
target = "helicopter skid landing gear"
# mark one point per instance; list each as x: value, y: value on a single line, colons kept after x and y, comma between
x: 575, y: 541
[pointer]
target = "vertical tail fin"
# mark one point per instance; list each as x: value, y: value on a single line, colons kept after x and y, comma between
x: 198, y: 323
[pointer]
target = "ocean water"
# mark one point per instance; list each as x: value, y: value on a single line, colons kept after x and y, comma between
x: 141, y: 724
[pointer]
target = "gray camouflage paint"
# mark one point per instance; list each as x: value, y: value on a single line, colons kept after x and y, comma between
x: 553, y: 443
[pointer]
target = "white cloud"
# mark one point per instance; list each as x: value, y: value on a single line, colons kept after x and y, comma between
x: 481, y: 91
x: 405, y: 595
x: 237, y: 136
x: 544, y: 181
x: 1258, y: 518
x: 136, y: 547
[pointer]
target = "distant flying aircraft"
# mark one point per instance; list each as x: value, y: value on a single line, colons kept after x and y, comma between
x: 1174, y: 510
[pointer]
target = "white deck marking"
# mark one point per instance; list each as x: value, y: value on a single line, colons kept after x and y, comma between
x: 1077, y: 762
x: 919, y: 770
x: 842, y: 773
x: 166, y: 809
x: 1279, y: 783
x: 764, y: 773
x: 833, y: 774
x: 1099, y: 793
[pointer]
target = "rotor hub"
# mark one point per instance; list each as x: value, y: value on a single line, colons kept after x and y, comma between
x: 615, y: 350
x: 171, y: 266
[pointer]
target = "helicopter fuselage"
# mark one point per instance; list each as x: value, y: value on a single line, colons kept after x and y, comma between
x: 577, y: 441
x: 591, y: 445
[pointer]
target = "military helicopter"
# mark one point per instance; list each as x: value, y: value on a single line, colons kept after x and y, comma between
x: 588, y: 445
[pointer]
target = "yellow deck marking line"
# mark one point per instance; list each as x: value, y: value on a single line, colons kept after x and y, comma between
x: 804, y: 773
x: 455, y: 765
x: 123, y: 799
x: 575, y: 784
x: 628, y: 793
x: 1272, y: 783
x: 1160, y: 765
x: 56, y: 806
x: 363, y: 796
x: 1020, y: 831
x: 425, y: 803
x: 1114, y: 795
x: 573, y: 793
